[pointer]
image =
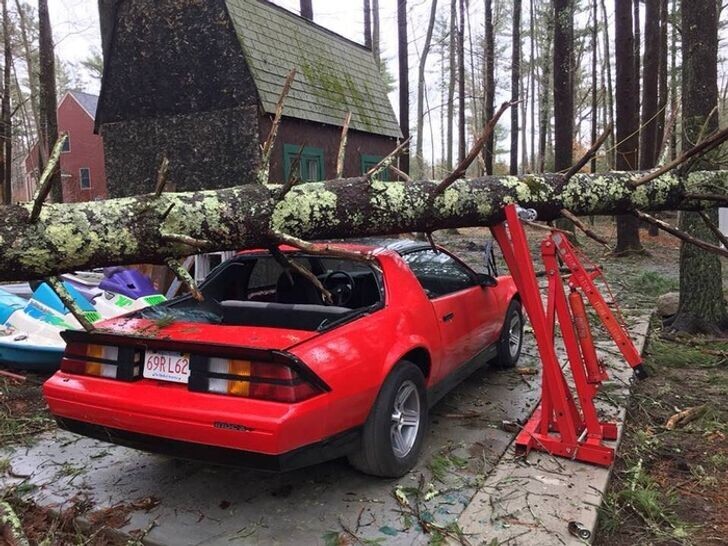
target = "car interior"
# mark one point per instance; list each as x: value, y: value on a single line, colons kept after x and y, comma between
x: 255, y: 290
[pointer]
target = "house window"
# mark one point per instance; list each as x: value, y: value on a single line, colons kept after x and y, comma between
x: 66, y: 145
x: 368, y: 162
x: 85, y: 178
x: 310, y: 165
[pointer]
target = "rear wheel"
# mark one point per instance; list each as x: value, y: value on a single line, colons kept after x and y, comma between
x: 394, y: 432
x: 511, y: 339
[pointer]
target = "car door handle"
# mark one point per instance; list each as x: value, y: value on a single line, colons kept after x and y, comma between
x: 448, y: 317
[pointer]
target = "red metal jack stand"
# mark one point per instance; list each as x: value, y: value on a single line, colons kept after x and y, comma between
x: 559, y: 426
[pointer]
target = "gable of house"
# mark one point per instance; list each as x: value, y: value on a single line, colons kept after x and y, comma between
x: 334, y: 75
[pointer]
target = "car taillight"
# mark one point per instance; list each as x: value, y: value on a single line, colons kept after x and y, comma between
x: 274, y: 381
x: 109, y: 361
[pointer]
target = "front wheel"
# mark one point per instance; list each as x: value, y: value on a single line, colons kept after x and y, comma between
x: 511, y: 339
x: 394, y: 432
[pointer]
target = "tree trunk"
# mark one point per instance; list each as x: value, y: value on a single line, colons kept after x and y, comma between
x: 663, y: 90
x: 376, y: 41
x: 419, y: 152
x: 30, y: 64
x: 48, y: 100
x: 612, y: 155
x: 515, y: 82
x: 673, y: 80
x: 628, y: 234
x: 307, y: 9
x: 489, y: 106
x: 532, y: 70
x: 7, y: 125
x: 544, y: 110
x: 462, y: 142
x: 404, y: 161
x: 637, y: 54
x: 150, y: 229
x: 368, y: 23
x: 452, y: 49
x: 651, y: 69
x: 702, y: 306
x: 594, y: 83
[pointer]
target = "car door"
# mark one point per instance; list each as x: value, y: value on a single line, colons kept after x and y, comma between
x: 449, y: 285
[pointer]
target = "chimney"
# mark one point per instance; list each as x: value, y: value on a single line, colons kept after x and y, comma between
x: 307, y: 9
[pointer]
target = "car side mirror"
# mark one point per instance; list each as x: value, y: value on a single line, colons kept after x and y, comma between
x: 487, y: 281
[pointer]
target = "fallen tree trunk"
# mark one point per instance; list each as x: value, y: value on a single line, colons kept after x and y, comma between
x: 153, y: 229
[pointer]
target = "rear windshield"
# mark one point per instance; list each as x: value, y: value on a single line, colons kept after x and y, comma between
x: 256, y: 290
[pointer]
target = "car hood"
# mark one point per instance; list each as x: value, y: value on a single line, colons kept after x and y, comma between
x: 254, y: 337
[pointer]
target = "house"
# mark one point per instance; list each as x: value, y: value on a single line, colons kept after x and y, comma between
x: 199, y: 82
x: 83, y: 174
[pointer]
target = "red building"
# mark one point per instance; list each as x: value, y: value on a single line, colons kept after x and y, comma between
x: 82, y: 162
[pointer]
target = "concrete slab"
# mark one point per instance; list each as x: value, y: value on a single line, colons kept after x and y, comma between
x: 198, y: 504
x: 530, y: 502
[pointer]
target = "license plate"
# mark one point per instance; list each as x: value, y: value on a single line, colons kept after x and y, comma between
x: 167, y: 366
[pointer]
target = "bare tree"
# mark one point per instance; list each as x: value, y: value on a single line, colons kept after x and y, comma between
x: 594, y: 83
x: 489, y: 79
x: 404, y: 161
x: 462, y: 132
x: 515, y: 82
x: 48, y: 99
x: 609, y: 100
x: 7, y: 126
x: 419, y: 152
x: 307, y: 9
x: 651, y: 69
x: 628, y: 234
x: 702, y: 306
x: 452, y: 50
x: 376, y: 42
x: 368, y: 23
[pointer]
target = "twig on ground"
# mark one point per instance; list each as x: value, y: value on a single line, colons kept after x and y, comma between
x: 46, y: 179
x: 681, y: 234
x: 474, y: 151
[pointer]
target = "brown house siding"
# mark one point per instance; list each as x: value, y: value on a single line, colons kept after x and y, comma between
x: 300, y: 132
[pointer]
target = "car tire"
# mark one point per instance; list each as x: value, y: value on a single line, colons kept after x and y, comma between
x: 511, y: 338
x: 392, y: 439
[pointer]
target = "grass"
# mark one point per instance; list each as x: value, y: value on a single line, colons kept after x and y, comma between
x: 678, y: 355
x: 653, y: 284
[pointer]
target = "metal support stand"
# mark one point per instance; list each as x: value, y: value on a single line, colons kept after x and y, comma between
x: 559, y: 425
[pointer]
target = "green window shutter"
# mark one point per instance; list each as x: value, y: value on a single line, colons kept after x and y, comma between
x: 368, y: 162
x: 310, y: 166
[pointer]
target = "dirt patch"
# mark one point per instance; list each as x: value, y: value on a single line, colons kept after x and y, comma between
x: 669, y: 485
x: 23, y: 412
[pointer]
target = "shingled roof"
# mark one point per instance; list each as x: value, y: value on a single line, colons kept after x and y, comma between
x: 335, y: 75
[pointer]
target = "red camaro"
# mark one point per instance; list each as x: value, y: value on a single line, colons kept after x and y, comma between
x: 263, y: 374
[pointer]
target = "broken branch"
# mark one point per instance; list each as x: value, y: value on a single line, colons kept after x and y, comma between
x: 273, y: 133
x: 186, y: 240
x: 702, y: 148
x: 293, y: 177
x: 579, y: 165
x: 685, y: 416
x: 162, y: 176
x: 462, y: 168
x: 584, y: 228
x: 387, y: 161
x: 321, y: 248
x: 65, y: 296
x: 681, y: 234
x: 401, y: 174
x: 342, y: 147
x: 46, y: 180
x: 715, y: 229
x: 185, y: 278
x: 287, y: 263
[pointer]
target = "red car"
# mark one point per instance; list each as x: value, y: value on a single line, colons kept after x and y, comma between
x: 263, y: 374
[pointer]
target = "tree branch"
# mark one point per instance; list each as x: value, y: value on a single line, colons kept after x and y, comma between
x: 587, y: 157
x: 342, y: 147
x: 186, y: 240
x: 321, y: 248
x: 387, y: 161
x: 462, y: 168
x: 702, y: 148
x: 681, y: 234
x: 162, y: 176
x: 46, y: 180
x: 583, y: 227
x: 401, y: 174
x: 293, y: 177
x: 715, y: 229
x: 185, y: 278
x: 273, y: 133
x: 65, y: 296
x: 287, y: 263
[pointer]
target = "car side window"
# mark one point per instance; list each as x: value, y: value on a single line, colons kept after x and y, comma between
x: 438, y: 272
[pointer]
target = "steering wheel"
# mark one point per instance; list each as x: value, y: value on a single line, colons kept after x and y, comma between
x: 341, y: 285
